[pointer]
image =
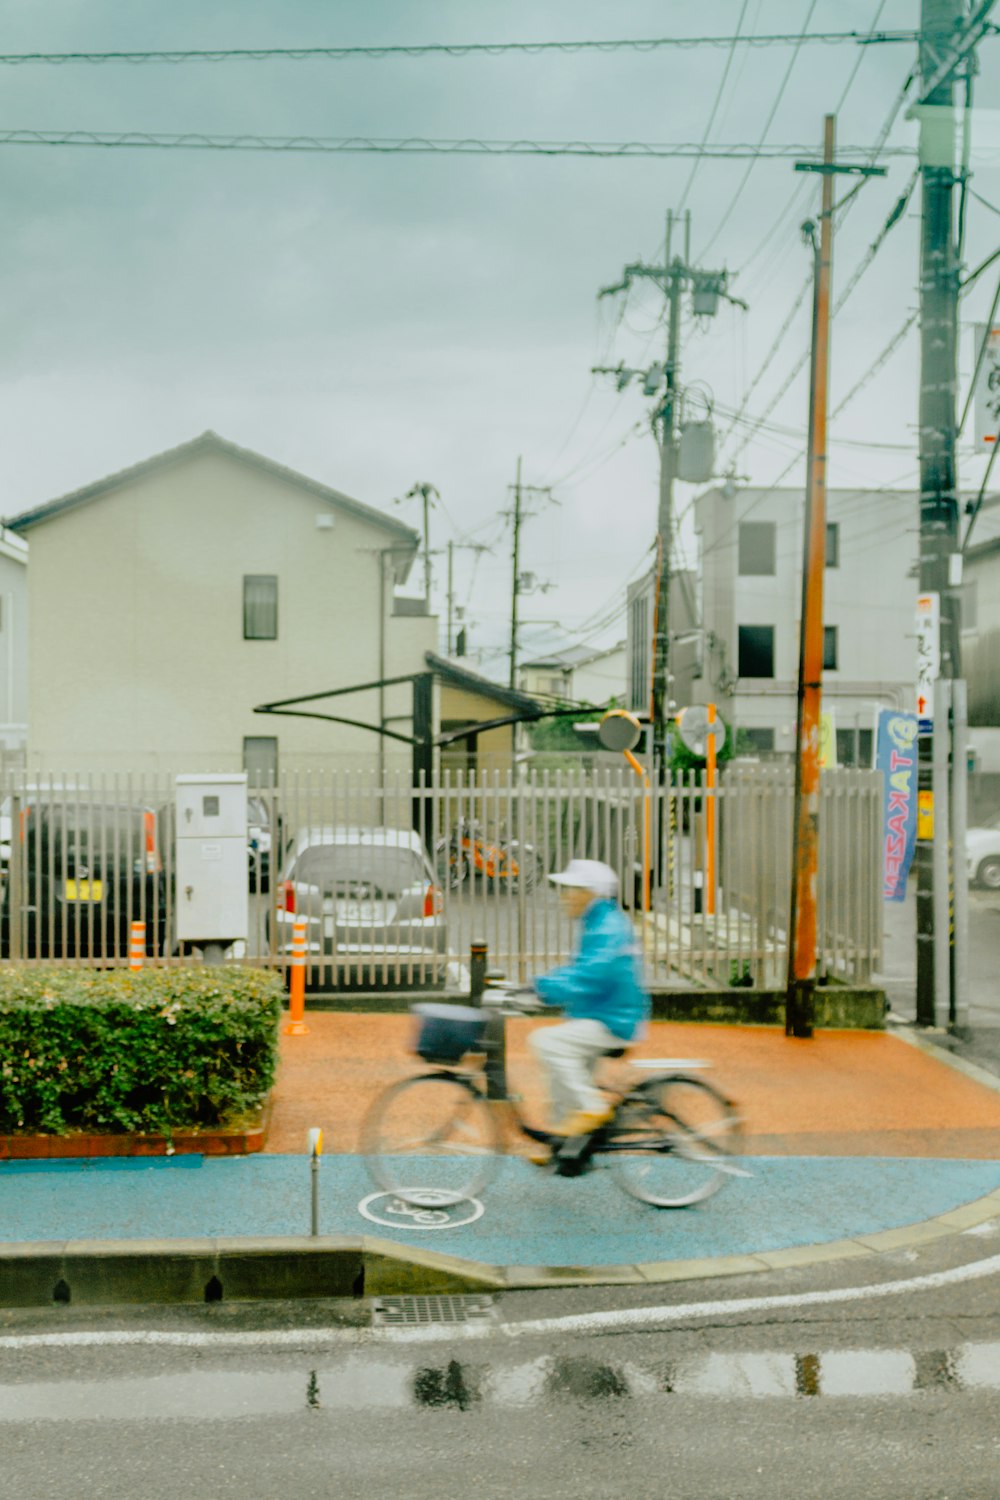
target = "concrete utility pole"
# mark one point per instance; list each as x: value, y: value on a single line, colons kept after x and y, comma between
x: 425, y: 491
x: 519, y: 517
x: 452, y: 547
x: 707, y: 287
x: 947, y: 44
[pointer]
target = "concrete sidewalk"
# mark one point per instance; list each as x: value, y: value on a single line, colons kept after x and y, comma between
x: 857, y: 1143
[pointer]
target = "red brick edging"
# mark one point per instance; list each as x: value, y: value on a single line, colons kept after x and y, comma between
x: 218, y: 1142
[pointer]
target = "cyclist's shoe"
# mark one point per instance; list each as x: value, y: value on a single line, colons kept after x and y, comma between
x: 585, y: 1121
x: 538, y: 1155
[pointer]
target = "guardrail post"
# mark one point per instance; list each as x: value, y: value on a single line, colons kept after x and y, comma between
x: 315, y: 1140
x: 297, y: 986
x: 137, y: 945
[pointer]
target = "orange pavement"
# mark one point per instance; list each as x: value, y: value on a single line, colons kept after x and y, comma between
x: 842, y: 1093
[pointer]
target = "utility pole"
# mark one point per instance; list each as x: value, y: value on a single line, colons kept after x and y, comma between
x: 462, y: 547
x: 516, y: 552
x: 941, y: 28
x: 707, y: 287
x: 519, y: 516
x: 425, y: 492
x: 802, y: 946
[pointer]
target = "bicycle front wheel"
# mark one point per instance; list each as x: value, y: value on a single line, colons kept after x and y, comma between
x: 431, y: 1140
x: 671, y: 1141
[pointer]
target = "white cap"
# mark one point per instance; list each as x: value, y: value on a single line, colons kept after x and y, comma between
x: 589, y: 875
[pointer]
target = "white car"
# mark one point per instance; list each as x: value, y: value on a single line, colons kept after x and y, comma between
x: 982, y: 853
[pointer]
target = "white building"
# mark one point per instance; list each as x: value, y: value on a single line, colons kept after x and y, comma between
x: 750, y: 546
x: 576, y: 674
x: 13, y: 644
x: 169, y: 600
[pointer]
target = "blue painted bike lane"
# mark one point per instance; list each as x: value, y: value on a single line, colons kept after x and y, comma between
x: 526, y: 1218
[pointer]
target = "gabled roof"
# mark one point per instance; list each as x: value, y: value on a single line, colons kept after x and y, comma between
x: 462, y: 677
x: 571, y: 657
x: 210, y: 442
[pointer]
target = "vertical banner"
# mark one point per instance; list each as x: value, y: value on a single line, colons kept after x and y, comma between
x: 896, y: 758
x: 827, y: 741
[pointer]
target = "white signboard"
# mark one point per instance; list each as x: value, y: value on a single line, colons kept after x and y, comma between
x: 987, y: 396
x: 928, y: 653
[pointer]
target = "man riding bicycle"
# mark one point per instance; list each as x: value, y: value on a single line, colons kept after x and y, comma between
x: 600, y: 990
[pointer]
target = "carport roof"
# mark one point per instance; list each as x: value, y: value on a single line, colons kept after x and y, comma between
x: 463, y: 677
x: 210, y: 442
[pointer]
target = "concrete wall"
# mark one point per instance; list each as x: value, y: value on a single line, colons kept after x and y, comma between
x: 137, y: 656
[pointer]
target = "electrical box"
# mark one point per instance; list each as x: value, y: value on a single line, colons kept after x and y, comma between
x: 696, y: 460
x: 212, y: 874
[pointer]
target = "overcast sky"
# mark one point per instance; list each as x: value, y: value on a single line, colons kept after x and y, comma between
x: 379, y: 320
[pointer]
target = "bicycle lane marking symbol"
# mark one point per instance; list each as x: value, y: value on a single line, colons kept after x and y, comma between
x: 391, y: 1210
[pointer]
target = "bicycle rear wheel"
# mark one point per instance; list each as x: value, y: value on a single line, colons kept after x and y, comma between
x: 671, y: 1141
x: 432, y: 1140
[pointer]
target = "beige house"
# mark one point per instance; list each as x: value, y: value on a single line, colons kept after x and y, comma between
x: 169, y: 600
x: 468, y: 701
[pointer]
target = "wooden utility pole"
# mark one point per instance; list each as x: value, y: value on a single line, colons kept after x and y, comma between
x: 802, y: 947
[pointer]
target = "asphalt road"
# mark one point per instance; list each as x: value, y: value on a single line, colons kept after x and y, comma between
x: 866, y: 1398
x: 898, y: 972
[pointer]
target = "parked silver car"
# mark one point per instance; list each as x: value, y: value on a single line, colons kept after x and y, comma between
x: 374, y: 911
x: 982, y: 853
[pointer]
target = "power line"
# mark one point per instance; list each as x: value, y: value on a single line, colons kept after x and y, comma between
x: 763, y: 135
x: 715, y: 106
x: 450, y: 49
x: 411, y: 145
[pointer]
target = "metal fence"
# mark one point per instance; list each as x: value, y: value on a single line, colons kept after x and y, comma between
x: 84, y: 857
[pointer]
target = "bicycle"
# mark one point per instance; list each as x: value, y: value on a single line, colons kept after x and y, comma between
x: 504, y: 863
x: 437, y: 1138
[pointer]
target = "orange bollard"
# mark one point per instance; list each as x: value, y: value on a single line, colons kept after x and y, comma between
x: 137, y: 945
x: 297, y: 989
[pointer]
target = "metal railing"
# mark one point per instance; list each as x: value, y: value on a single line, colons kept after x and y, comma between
x: 86, y: 856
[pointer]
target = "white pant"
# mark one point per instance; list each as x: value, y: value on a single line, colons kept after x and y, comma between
x: 569, y: 1054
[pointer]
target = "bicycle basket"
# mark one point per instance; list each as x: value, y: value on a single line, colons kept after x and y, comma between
x: 445, y: 1033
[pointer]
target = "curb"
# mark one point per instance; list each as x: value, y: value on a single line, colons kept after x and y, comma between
x: 94, y: 1273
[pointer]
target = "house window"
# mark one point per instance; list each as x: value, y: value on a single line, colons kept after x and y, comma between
x: 756, y: 650
x: 829, y: 648
x: 833, y: 544
x: 756, y: 549
x: 260, y: 760
x: 260, y: 607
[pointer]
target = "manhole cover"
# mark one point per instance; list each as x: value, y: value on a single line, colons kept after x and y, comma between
x: 399, y: 1312
x: 434, y: 1211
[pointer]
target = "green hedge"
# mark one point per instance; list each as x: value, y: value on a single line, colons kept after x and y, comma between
x: 105, y: 1051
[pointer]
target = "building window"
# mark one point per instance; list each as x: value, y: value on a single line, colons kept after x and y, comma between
x: 756, y: 549
x: 968, y: 605
x: 757, y: 741
x: 833, y: 544
x: 829, y: 648
x: 854, y: 747
x: 260, y: 760
x: 756, y: 650
x: 260, y: 607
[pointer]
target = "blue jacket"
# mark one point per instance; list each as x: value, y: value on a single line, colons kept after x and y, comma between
x: 604, y: 980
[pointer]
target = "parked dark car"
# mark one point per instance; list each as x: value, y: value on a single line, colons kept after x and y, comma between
x: 80, y: 873
x: 264, y: 838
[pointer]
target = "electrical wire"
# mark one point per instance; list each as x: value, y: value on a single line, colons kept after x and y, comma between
x: 410, y: 145
x: 731, y: 205
x: 449, y: 49
x: 715, y: 106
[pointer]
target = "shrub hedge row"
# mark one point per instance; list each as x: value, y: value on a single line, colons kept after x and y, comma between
x: 147, y: 1052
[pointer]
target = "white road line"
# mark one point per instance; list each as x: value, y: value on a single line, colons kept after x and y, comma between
x: 597, y: 1322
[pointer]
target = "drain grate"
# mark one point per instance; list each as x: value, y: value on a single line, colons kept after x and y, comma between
x: 400, y: 1312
